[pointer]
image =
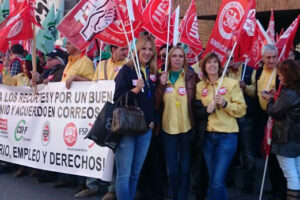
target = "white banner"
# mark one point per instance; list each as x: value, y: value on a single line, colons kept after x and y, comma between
x: 47, y: 130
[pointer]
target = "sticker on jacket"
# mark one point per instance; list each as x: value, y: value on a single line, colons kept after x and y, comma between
x: 204, y: 92
x: 153, y: 77
x: 222, y: 91
x: 134, y: 82
x: 181, y: 91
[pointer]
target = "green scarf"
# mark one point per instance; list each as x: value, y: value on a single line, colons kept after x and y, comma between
x: 173, y: 76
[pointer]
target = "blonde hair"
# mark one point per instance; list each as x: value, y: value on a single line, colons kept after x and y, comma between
x: 141, y: 42
x: 185, y: 65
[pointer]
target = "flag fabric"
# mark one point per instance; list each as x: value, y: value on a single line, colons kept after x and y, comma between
x: 245, y: 33
x: 4, y: 12
x: 258, y: 42
x: 80, y: 27
x: 271, y: 27
x: 17, y: 5
x: 189, y: 29
x: 155, y: 18
x: 45, y: 38
x: 114, y: 33
x: 229, y: 17
x: 17, y: 26
x: 286, y: 40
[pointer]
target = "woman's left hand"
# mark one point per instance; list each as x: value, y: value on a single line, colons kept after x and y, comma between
x: 219, y: 100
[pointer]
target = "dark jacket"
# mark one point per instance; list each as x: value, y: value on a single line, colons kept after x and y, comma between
x: 286, y: 114
x: 145, y: 100
x: 54, y: 74
x: 191, y: 79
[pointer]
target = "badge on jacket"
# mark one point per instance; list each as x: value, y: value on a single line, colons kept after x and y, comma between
x: 204, y: 92
x: 153, y: 77
x: 134, y: 82
x: 222, y: 91
x: 181, y: 91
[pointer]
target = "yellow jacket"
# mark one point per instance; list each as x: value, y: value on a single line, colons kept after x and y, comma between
x: 79, y: 66
x: 223, y: 119
x: 112, y: 69
x: 19, y: 80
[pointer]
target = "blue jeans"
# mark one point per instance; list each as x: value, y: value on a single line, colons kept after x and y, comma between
x: 218, y: 150
x: 177, y: 156
x: 129, y: 157
x: 291, y: 171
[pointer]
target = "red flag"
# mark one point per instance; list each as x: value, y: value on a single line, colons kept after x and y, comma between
x: 114, y: 33
x: 191, y: 56
x: 18, y: 25
x: 258, y: 42
x: 245, y: 33
x: 229, y: 17
x: 286, y: 40
x: 16, y: 5
x: 155, y: 18
x: 87, y: 18
x: 271, y: 27
x: 189, y: 29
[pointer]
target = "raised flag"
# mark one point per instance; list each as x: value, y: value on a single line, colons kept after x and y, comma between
x: 18, y: 25
x: 114, y: 33
x: 189, y: 29
x: 286, y: 40
x: 155, y: 18
x: 229, y: 17
x: 271, y: 27
x: 45, y: 38
x: 258, y: 42
x: 245, y: 33
x: 17, y: 5
x: 85, y: 20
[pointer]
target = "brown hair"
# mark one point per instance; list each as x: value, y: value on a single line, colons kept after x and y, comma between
x: 141, y: 42
x: 185, y: 65
x: 207, y: 58
x: 290, y: 71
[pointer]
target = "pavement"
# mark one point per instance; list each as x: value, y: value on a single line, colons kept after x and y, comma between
x: 26, y: 188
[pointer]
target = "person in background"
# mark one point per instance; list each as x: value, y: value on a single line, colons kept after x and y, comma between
x: 132, y: 150
x: 246, y: 136
x: 222, y: 108
x: 79, y: 67
x: 14, y: 63
x: 23, y: 78
x: 106, y: 70
x: 285, y: 133
x: 266, y: 83
x: 174, y: 96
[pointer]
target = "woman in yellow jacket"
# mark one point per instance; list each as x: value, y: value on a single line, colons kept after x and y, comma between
x: 174, y: 97
x: 221, y: 108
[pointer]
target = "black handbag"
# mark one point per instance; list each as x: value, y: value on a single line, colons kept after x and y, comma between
x: 128, y: 120
x: 100, y: 131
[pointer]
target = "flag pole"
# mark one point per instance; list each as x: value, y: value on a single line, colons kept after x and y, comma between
x: 245, y: 68
x: 100, y: 55
x: 282, y: 53
x: 168, y: 36
x: 226, y: 67
x: 263, y: 179
x: 34, y: 59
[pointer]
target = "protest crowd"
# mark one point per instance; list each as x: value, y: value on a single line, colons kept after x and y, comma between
x: 194, y: 115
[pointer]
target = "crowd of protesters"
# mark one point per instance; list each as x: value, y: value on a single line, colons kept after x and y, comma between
x: 198, y: 132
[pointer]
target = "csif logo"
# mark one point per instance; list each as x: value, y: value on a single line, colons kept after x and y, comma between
x: 20, y: 130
